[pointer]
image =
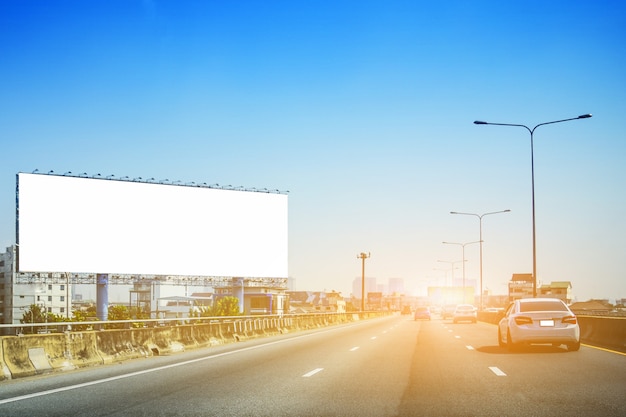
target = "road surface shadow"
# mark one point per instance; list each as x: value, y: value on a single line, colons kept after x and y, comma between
x: 497, y: 350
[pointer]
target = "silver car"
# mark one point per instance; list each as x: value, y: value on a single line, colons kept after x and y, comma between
x: 539, y: 321
x: 464, y: 312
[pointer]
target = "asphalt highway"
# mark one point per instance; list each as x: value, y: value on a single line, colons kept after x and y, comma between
x: 393, y: 366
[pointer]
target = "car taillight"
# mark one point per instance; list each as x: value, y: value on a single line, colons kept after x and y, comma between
x: 569, y: 319
x: 521, y: 320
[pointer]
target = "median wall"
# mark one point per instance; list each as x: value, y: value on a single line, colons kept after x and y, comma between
x: 608, y: 332
x: 31, y: 354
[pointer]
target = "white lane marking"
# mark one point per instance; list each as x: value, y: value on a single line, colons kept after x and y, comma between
x: 313, y: 372
x: 160, y: 368
x: 496, y: 371
x: 469, y: 347
x: 450, y: 331
x: 354, y: 348
x: 373, y: 337
x: 457, y: 337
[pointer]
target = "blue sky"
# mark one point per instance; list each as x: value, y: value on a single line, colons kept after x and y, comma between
x: 363, y: 110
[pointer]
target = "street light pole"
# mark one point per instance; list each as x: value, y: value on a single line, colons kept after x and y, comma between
x: 452, y: 268
x: 532, y: 173
x: 363, y: 256
x: 480, y: 234
x: 463, y: 260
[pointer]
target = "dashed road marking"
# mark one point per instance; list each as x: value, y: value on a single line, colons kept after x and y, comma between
x: 313, y: 372
x: 469, y: 347
x: 354, y: 348
x: 496, y: 371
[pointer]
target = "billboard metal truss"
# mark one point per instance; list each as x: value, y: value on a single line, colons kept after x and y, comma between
x: 121, y: 279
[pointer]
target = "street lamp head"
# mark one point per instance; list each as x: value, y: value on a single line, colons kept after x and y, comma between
x: 479, y: 122
x: 584, y: 116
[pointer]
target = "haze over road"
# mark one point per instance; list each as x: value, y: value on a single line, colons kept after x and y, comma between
x: 392, y: 366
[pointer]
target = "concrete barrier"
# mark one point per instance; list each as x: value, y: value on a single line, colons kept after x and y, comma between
x: 27, y: 355
x: 4, y: 370
x: 608, y: 332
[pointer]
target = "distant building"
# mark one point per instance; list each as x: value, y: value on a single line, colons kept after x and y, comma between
x: 16, y: 298
x: 557, y: 289
x: 316, y: 302
x: 257, y: 299
x: 370, y: 286
x: 396, y: 286
x: 592, y: 307
x: 520, y: 286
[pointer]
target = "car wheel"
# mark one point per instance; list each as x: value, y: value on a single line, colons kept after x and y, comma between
x: 500, y: 342
x: 573, y: 347
x: 509, y: 343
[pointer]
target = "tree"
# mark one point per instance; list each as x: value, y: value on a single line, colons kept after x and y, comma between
x: 34, y: 314
x: 118, y: 313
x: 227, y: 306
x: 38, y: 314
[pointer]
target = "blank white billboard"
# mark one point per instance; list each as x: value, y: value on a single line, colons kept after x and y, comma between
x: 74, y: 224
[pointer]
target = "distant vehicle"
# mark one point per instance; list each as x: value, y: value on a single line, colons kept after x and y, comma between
x: 539, y: 321
x: 448, y: 311
x: 464, y: 312
x: 435, y: 310
x: 422, y: 313
x: 406, y: 310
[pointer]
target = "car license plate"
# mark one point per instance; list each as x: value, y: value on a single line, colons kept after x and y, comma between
x: 546, y: 323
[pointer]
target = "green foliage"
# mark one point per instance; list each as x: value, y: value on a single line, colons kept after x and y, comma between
x: 38, y: 314
x: 84, y: 315
x: 119, y: 313
x: 227, y: 306
x: 34, y: 314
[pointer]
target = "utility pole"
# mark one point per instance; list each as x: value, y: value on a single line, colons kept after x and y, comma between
x: 363, y: 256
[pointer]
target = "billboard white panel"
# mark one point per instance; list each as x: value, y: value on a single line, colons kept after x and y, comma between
x: 73, y: 224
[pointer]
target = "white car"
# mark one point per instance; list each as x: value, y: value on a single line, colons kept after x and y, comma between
x: 464, y: 312
x: 539, y: 321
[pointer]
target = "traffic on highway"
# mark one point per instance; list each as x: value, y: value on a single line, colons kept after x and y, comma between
x: 390, y: 366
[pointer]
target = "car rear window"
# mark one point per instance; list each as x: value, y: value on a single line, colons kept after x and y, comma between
x: 542, y: 306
